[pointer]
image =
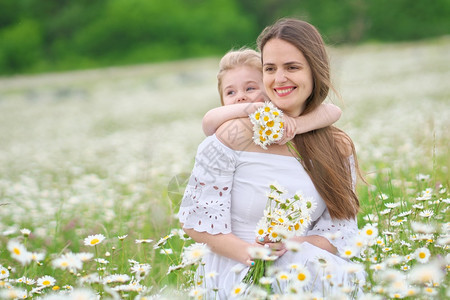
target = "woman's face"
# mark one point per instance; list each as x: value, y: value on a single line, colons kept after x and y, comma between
x: 287, y: 76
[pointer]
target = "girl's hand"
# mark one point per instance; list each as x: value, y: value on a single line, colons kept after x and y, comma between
x: 277, y: 249
x: 290, y: 129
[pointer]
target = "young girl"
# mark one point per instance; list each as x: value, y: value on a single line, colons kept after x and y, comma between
x: 227, y: 192
x: 240, y: 83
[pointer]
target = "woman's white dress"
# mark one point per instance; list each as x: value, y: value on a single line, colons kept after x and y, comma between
x: 227, y: 193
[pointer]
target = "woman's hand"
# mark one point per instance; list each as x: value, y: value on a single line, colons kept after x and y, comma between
x: 290, y: 129
x: 277, y: 249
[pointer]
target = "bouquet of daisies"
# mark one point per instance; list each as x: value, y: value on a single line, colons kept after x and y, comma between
x: 283, y: 218
x: 267, y: 125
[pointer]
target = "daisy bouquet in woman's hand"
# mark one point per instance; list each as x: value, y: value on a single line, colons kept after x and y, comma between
x: 283, y: 219
x: 267, y: 125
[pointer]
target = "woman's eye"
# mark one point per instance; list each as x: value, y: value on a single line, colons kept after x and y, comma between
x: 269, y: 69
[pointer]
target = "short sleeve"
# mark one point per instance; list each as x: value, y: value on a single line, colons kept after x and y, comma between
x: 206, y: 203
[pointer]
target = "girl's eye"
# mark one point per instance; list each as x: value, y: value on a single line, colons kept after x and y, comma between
x: 250, y: 88
x: 230, y: 93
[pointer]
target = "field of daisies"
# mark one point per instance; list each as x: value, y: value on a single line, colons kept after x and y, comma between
x: 93, y: 165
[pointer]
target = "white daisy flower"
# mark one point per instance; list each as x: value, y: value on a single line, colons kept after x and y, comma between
x: 427, y: 273
x: 122, y: 237
x: 426, y: 213
x: 422, y: 228
x: 84, y: 256
x: 194, y: 253
x: 293, y: 246
x: 25, y: 232
x: 258, y: 252
x: 93, y: 240
x: 197, y: 293
x: 101, y: 261
x: 302, y: 276
x: 392, y: 204
x: 383, y: 196
x: 68, y: 261
x: 283, y: 276
x: 369, y: 232
x: 122, y: 278
x: 45, y: 281
x: 19, y: 252
x: 238, y: 290
x: 348, y: 252
x: 143, y: 241
x: 166, y: 251
x: 422, y: 255
x: 266, y: 280
x: 4, y: 272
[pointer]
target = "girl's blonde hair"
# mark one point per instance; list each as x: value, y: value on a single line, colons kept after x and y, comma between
x: 237, y: 58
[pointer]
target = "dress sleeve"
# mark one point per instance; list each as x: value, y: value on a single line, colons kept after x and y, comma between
x: 340, y: 233
x: 206, y: 203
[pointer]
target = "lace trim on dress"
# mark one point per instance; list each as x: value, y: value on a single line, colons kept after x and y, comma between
x: 206, y: 203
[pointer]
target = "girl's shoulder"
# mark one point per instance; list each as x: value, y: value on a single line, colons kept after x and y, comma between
x: 236, y: 134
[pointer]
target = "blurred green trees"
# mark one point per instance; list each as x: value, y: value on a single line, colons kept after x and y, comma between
x: 37, y: 36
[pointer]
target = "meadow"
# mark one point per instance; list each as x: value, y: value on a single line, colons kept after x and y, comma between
x: 93, y: 166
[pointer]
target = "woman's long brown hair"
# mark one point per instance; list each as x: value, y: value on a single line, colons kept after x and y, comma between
x: 324, y: 152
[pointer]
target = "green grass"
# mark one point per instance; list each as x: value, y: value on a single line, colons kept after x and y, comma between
x: 108, y: 152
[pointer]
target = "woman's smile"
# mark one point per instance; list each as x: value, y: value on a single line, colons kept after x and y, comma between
x: 284, y: 91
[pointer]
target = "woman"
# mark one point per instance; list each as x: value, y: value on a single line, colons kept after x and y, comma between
x: 226, y: 195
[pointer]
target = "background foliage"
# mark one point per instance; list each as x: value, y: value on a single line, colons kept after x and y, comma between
x: 54, y: 35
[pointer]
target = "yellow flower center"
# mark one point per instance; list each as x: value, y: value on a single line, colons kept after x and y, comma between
x: 94, y: 241
x: 55, y: 288
x: 237, y: 291
x: 348, y: 252
x: 46, y: 282
x: 301, y: 276
x: 261, y: 231
x: 64, y: 264
x: 422, y: 255
x: 257, y: 116
x: 270, y: 123
x: 266, y: 118
x: 269, y: 132
x: 16, y: 251
x: 266, y: 109
x: 369, y: 231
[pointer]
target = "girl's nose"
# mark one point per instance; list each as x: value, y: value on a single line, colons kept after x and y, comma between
x: 241, y: 97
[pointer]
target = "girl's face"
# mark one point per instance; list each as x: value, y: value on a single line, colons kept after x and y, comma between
x: 242, y: 84
x: 287, y: 76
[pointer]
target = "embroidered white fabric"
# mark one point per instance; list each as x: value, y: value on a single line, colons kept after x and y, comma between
x: 227, y: 193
